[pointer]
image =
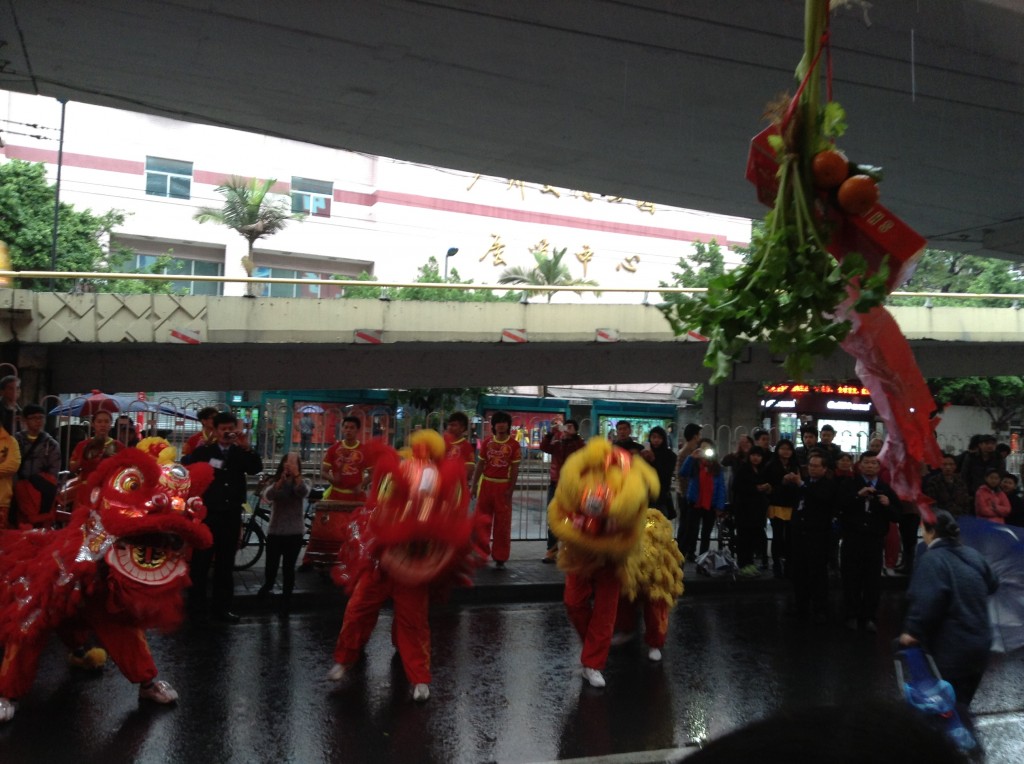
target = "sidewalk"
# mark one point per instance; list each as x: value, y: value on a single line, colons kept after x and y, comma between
x: 524, y: 579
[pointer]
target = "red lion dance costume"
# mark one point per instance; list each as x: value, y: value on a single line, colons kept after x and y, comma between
x: 612, y: 545
x: 414, y: 537
x: 118, y: 568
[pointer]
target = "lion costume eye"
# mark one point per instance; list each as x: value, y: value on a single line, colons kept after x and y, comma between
x: 128, y: 480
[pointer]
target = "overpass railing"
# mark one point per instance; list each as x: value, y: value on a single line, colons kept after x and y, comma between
x: 84, y: 281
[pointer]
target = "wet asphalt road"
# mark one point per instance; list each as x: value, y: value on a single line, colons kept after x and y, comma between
x: 506, y: 688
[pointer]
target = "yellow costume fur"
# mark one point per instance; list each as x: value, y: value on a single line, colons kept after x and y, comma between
x: 600, y: 515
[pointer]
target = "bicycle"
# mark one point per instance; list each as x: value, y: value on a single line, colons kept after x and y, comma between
x: 253, y: 540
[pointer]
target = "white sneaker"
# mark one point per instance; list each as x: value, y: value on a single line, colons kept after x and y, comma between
x: 337, y: 672
x: 654, y: 654
x: 159, y: 692
x: 421, y: 692
x: 6, y: 710
x: 620, y: 638
x: 593, y: 676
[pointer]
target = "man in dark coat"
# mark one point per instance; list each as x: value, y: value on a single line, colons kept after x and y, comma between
x: 810, y: 531
x: 232, y: 458
x: 866, y: 507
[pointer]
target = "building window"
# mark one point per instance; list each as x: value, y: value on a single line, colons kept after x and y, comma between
x: 313, y: 197
x: 314, y: 291
x: 168, y: 177
x: 184, y: 267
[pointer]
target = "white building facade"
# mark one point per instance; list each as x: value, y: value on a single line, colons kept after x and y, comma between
x: 363, y: 213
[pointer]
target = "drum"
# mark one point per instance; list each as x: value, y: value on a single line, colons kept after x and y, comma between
x: 329, y: 530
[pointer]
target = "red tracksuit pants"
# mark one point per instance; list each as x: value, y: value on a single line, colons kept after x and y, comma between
x: 493, y: 501
x: 592, y: 602
x: 655, y: 620
x: 410, y: 632
x: 126, y: 646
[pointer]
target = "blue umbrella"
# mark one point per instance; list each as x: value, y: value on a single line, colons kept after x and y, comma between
x: 1002, y: 546
x: 160, y: 407
x: 87, y: 405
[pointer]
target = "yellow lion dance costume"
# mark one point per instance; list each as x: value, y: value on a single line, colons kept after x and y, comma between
x: 612, y: 544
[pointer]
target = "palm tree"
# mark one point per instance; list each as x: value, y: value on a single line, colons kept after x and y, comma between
x: 548, y: 271
x: 251, y: 212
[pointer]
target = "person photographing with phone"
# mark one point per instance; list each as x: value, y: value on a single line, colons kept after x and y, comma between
x: 232, y: 458
x: 287, y: 527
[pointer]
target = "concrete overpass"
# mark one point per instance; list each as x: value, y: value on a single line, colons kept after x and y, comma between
x: 76, y: 342
x: 646, y: 99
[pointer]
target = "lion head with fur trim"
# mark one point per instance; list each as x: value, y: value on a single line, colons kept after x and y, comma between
x: 600, y: 504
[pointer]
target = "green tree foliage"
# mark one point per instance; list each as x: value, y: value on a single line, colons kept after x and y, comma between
x: 942, y: 271
x: 696, y: 271
x: 548, y: 270
x: 250, y: 211
x: 1002, y: 398
x: 428, y: 273
x: 26, y: 224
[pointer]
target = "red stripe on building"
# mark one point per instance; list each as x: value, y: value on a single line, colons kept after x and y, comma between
x: 86, y: 161
x: 369, y: 336
x: 184, y: 336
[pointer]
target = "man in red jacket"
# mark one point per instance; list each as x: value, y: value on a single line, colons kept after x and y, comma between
x: 560, y: 442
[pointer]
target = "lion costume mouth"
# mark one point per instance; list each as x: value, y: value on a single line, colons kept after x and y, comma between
x: 154, y: 559
x: 416, y: 561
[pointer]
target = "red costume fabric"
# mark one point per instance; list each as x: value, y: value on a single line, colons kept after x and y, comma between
x: 347, y: 464
x: 414, y: 538
x: 87, y: 455
x: 493, y: 499
x: 195, y: 441
x: 655, y: 614
x: 591, y: 602
x: 462, y: 450
x: 411, y: 630
x: 119, y: 567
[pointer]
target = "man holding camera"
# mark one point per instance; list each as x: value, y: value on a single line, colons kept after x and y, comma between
x: 232, y: 458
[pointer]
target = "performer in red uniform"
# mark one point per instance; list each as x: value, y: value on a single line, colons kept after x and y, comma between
x: 494, y: 480
x: 457, y: 445
x: 89, y: 453
x: 206, y: 436
x: 600, y: 515
x: 401, y: 555
x: 345, y: 464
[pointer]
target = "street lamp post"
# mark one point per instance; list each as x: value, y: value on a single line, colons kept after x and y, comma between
x: 452, y: 252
